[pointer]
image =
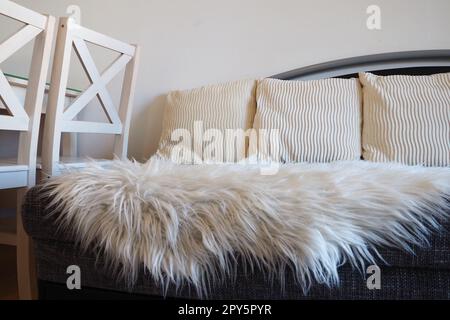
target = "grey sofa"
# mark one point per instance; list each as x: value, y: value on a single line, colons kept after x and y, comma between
x: 425, y: 275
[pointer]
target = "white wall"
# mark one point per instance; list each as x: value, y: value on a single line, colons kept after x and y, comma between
x: 186, y: 44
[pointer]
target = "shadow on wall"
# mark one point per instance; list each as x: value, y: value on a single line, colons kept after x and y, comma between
x: 150, y: 118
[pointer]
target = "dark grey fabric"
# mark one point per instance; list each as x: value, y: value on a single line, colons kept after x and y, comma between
x: 425, y: 275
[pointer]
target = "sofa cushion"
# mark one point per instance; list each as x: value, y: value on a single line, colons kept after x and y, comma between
x: 211, y: 109
x: 406, y: 119
x: 396, y: 282
x: 316, y: 120
x: 40, y: 227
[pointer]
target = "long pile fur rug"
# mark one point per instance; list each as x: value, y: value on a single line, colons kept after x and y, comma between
x: 189, y: 223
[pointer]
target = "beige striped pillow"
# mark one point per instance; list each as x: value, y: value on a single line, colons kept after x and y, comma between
x: 318, y: 120
x: 406, y: 119
x: 221, y: 107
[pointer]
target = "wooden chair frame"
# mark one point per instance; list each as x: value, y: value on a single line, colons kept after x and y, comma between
x: 24, y: 118
x: 60, y: 119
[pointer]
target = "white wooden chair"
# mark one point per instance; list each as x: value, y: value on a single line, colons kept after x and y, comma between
x: 24, y: 118
x: 60, y: 119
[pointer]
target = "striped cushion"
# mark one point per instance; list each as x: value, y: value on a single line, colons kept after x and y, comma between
x: 224, y: 106
x: 406, y: 119
x: 318, y: 120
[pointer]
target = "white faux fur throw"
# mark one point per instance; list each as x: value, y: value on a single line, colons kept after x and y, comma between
x: 189, y: 223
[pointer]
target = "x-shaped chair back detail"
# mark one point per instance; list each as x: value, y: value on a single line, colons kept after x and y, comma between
x: 25, y: 118
x: 62, y: 119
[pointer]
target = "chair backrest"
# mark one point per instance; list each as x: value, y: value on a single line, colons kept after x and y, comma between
x: 60, y: 118
x: 25, y: 118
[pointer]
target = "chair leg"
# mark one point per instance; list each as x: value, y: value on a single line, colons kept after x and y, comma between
x: 26, y: 274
